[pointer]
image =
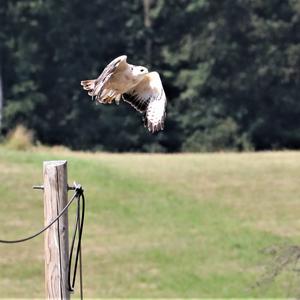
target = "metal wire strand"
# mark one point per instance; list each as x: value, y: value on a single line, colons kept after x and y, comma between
x: 79, y: 195
x: 76, y: 194
x: 78, y: 228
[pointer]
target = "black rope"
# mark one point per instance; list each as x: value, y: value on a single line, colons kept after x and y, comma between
x: 79, y: 195
x: 45, y: 228
x: 78, y: 228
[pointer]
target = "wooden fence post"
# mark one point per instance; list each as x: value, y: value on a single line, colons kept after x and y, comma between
x: 56, y: 237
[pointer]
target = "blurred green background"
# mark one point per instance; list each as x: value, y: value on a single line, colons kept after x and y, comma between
x: 230, y: 70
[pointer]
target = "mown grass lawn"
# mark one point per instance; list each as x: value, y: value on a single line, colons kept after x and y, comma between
x: 184, y: 225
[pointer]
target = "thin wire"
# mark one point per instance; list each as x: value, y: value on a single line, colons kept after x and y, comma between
x: 78, y: 227
x: 76, y: 194
x: 81, y: 275
x: 72, y: 248
x: 80, y: 255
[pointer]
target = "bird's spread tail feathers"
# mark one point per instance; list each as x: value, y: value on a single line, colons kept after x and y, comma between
x: 104, y: 96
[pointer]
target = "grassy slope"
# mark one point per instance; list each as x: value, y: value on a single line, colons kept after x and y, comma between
x: 158, y: 225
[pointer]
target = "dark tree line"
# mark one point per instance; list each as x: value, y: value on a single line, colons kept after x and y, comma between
x: 231, y: 71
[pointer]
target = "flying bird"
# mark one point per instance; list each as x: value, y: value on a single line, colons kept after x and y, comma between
x: 134, y: 85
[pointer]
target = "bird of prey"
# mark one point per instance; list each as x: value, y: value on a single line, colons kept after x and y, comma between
x: 134, y: 85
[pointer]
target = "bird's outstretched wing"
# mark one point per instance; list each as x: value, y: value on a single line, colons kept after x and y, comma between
x: 96, y: 87
x: 149, y: 97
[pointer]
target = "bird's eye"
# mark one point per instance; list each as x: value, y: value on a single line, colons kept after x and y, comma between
x: 141, y: 70
x: 131, y: 68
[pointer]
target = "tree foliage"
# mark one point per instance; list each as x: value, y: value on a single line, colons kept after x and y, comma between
x: 230, y: 71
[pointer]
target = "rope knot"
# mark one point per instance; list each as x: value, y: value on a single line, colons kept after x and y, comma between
x: 78, y: 189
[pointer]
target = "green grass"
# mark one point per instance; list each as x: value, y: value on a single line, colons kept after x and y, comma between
x: 190, y: 225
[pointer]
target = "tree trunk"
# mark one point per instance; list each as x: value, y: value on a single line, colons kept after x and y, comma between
x: 147, y: 24
x: 1, y: 99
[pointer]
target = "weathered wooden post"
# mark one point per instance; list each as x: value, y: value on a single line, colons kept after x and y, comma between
x: 56, y: 237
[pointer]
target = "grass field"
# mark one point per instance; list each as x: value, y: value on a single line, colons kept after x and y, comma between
x: 190, y: 225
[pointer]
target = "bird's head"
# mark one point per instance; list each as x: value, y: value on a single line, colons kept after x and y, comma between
x: 138, y: 71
